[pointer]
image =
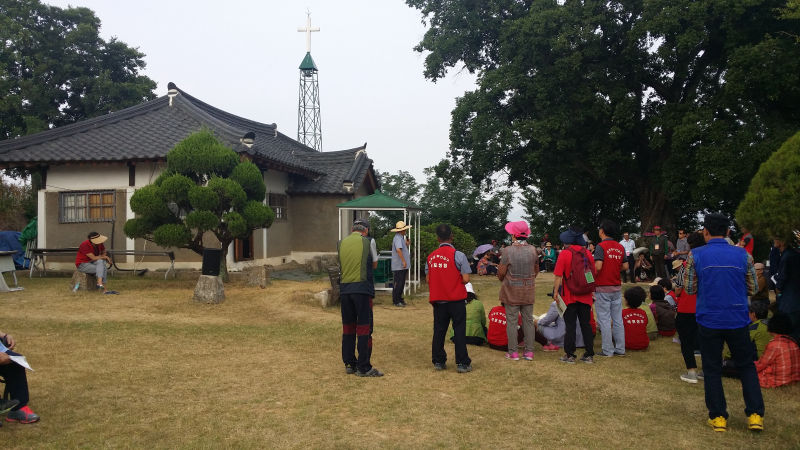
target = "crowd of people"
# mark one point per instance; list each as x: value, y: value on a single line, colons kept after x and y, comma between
x: 706, y: 294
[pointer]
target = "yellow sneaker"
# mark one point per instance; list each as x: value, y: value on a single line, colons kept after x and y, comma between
x: 720, y: 424
x: 755, y: 422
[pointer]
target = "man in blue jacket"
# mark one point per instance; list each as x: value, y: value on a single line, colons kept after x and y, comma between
x: 723, y: 276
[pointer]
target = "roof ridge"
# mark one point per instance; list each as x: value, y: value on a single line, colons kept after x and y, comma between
x: 214, y: 111
x: 82, y: 125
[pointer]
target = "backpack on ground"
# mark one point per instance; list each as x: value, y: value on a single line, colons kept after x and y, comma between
x: 580, y: 280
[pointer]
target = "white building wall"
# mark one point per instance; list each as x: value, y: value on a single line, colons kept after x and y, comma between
x: 77, y: 178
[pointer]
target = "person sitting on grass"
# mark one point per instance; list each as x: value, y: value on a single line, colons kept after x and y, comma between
x: 759, y: 336
x: 476, y: 319
x: 669, y: 293
x: 635, y: 319
x: 551, y: 327
x: 664, y: 312
x: 16, y: 384
x: 486, y: 266
x: 780, y: 363
x: 92, y: 258
x: 497, y: 334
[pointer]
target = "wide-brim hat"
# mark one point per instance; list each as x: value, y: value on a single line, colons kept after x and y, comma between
x: 518, y: 229
x: 548, y: 245
x: 655, y: 282
x: 98, y: 239
x: 400, y: 226
x: 572, y: 237
x: 677, y: 263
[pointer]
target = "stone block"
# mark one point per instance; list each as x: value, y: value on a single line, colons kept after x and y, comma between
x: 257, y: 275
x: 209, y: 289
x: 85, y: 281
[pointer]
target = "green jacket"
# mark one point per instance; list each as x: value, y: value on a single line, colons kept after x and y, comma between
x: 661, y: 240
x: 476, y: 320
x: 355, y: 262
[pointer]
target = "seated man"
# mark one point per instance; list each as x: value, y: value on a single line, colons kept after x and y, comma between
x: 92, y: 258
x: 16, y: 385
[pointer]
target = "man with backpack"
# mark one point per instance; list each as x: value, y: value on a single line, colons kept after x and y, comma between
x: 574, y: 283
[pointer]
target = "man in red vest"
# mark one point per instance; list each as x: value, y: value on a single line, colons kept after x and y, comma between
x: 609, y: 261
x: 447, y: 271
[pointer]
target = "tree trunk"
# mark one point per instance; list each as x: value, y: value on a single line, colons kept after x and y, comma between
x: 655, y: 209
x: 223, y: 262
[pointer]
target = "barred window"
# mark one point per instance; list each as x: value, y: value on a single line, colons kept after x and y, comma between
x: 90, y: 206
x: 280, y: 204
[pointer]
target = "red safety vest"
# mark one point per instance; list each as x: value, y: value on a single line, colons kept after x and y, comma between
x: 444, y: 278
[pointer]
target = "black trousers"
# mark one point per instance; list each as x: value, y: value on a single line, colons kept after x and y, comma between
x: 686, y: 324
x: 658, y: 264
x: 357, y: 331
x: 631, y: 270
x: 583, y: 312
x: 443, y: 313
x: 16, y: 383
x: 398, y: 285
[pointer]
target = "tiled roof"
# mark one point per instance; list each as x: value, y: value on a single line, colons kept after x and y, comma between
x: 149, y: 130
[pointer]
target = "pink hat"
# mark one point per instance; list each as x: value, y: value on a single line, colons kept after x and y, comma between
x: 518, y: 229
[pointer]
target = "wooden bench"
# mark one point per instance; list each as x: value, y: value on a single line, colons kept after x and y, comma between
x: 39, y: 255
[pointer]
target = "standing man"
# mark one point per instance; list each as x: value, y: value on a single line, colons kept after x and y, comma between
x: 609, y: 260
x: 447, y: 271
x: 629, y: 245
x: 519, y: 266
x: 682, y: 246
x: 576, y: 288
x: 400, y: 259
x: 658, y: 248
x: 722, y: 276
x: 355, y: 294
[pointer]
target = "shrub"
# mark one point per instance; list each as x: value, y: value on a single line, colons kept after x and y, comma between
x: 770, y: 207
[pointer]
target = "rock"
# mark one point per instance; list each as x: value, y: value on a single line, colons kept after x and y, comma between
x: 209, y: 289
x: 323, y: 297
x: 257, y: 275
x: 86, y: 282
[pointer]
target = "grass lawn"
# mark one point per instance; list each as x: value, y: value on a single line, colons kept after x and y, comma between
x: 149, y: 368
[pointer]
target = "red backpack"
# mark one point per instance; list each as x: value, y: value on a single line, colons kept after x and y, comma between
x: 580, y: 280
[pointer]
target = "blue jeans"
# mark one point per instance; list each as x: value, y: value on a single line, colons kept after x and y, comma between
x: 608, y: 306
x: 741, y: 347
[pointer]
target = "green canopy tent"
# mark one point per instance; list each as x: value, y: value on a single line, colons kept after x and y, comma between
x: 382, y: 202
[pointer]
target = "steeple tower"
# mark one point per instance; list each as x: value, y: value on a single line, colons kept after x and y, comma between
x: 309, y: 124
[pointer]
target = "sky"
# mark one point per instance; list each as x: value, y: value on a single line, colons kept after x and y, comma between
x: 243, y: 57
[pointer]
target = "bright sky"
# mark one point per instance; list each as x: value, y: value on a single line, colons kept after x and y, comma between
x: 242, y: 56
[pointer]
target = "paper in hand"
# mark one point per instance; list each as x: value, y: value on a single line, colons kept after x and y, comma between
x: 16, y: 357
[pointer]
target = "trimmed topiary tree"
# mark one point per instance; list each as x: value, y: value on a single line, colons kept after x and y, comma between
x: 205, y: 188
x: 770, y: 207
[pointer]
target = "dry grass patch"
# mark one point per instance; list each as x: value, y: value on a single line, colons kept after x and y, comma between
x: 149, y: 368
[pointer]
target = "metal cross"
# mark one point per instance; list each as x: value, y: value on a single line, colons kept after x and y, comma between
x: 308, y: 30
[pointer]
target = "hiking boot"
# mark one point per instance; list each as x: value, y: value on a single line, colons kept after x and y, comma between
x: 689, y: 377
x: 755, y: 422
x: 620, y: 354
x: 8, y: 405
x: 464, y: 368
x: 22, y: 415
x: 700, y: 375
x: 719, y: 424
x: 568, y: 359
x: 371, y: 373
x: 400, y: 305
x: 512, y: 356
x: 349, y: 370
x: 607, y: 355
x: 439, y: 366
x: 587, y: 359
x: 527, y: 356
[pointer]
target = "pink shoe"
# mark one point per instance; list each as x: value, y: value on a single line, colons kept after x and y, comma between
x: 512, y: 356
x: 528, y: 356
x: 551, y: 348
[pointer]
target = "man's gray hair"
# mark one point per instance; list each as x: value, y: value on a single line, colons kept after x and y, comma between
x: 359, y: 227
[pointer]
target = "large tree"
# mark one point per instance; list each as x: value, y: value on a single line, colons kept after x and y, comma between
x: 649, y: 110
x: 55, y: 68
x: 204, y: 189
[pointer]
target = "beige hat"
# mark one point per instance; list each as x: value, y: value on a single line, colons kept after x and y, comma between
x: 655, y: 282
x: 759, y: 266
x: 548, y: 245
x: 400, y: 226
x: 677, y: 263
x: 97, y: 238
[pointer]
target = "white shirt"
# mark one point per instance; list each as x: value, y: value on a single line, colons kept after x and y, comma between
x: 629, y: 245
